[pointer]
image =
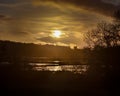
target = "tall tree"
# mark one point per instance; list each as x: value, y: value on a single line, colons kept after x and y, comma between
x: 105, y: 34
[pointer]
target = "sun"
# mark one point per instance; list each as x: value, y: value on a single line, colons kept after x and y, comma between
x: 56, y: 33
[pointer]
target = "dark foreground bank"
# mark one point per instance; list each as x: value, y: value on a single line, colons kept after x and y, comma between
x: 26, y: 83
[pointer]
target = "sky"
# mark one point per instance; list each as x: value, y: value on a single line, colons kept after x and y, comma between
x: 34, y: 21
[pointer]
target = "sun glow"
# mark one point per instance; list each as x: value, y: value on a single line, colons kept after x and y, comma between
x: 56, y: 33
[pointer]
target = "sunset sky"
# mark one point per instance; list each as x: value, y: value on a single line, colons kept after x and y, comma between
x: 38, y: 21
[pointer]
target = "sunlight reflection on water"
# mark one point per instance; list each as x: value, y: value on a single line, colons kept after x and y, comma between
x: 61, y: 68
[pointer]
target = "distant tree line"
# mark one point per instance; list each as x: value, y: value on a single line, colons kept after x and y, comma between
x: 17, y: 50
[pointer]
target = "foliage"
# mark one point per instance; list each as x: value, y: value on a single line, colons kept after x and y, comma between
x: 105, y: 34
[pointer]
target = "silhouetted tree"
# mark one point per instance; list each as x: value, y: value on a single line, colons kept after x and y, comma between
x: 105, y: 34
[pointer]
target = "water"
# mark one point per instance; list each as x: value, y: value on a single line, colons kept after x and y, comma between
x: 52, y: 66
x: 55, y: 67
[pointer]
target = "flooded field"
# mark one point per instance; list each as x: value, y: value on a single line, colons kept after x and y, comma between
x: 54, y: 67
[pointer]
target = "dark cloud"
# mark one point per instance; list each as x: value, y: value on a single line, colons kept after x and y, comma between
x: 9, y: 1
x: 21, y: 33
x: 4, y: 17
x: 99, y: 6
x: 13, y: 3
x: 66, y: 40
x: 115, y: 2
x: 48, y: 39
